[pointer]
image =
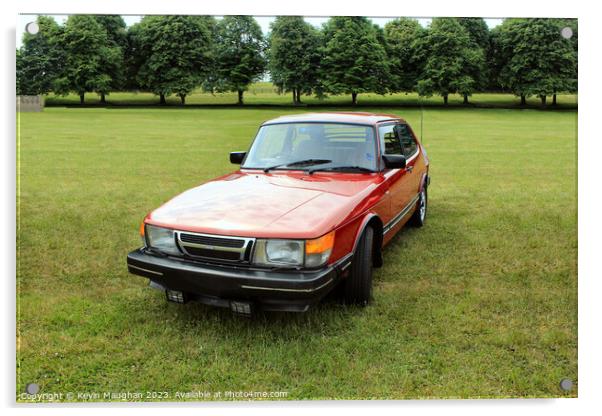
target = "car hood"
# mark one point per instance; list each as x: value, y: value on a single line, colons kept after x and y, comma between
x: 252, y: 204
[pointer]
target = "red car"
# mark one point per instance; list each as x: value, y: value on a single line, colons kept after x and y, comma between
x: 316, y: 198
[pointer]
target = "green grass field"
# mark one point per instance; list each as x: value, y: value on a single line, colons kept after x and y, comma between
x: 265, y: 94
x: 481, y: 302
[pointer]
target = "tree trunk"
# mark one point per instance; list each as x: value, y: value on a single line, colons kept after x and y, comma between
x: 240, y: 97
x: 162, y: 99
x: 554, y: 99
x: 523, y: 99
x: 465, y: 98
x: 445, y: 96
x: 543, y: 99
x: 81, y: 98
x: 294, y: 96
x: 103, y: 99
x: 353, y: 98
x: 182, y: 98
x: 298, y: 96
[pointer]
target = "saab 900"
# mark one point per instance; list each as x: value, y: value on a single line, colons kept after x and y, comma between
x: 316, y: 198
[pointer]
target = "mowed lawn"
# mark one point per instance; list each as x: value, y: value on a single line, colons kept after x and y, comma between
x: 481, y: 302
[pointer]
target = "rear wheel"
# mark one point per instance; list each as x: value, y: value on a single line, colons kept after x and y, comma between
x: 419, y: 216
x: 357, y: 288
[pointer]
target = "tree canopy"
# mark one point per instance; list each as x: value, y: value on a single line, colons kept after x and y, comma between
x: 89, y: 57
x: 537, y: 60
x: 172, y: 53
x: 404, y: 38
x: 117, y: 37
x: 453, y: 60
x: 354, y: 61
x: 294, y: 56
x: 477, y: 30
x: 239, y: 54
x: 40, y: 60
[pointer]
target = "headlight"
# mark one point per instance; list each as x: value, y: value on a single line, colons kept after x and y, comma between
x: 294, y: 253
x: 279, y: 253
x: 162, y: 239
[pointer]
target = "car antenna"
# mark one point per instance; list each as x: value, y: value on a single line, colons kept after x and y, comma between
x: 421, y: 118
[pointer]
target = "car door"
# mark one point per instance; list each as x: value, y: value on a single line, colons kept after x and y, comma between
x: 413, y: 162
x: 399, y: 188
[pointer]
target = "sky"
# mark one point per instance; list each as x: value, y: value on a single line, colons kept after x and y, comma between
x: 264, y: 22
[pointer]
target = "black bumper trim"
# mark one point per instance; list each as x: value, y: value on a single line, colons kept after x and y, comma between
x: 216, y: 285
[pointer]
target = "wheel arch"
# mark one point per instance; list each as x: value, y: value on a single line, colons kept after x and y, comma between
x: 374, y: 221
x: 425, y: 181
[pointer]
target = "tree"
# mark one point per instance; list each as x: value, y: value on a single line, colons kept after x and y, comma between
x: 403, y: 39
x: 116, y: 30
x: 354, y: 61
x: 478, y: 31
x: 452, y: 60
x: 89, y: 57
x: 40, y: 59
x: 240, y: 54
x: 538, y: 60
x: 173, y: 54
x: 294, y: 56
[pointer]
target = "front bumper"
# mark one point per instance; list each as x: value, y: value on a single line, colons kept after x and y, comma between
x: 273, y: 290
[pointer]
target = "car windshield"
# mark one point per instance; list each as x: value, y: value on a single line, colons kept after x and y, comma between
x: 313, y: 146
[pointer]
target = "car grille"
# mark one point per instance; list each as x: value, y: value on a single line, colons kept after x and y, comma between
x: 212, y: 241
x: 216, y: 248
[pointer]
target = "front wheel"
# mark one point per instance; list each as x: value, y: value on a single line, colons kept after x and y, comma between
x: 357, y: 288
x: 419, y: 216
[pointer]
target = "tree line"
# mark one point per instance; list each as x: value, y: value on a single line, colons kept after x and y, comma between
x: 174, y: 55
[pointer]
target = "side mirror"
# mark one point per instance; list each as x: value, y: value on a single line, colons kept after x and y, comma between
x: 237, y: 157
x: 394, y: 161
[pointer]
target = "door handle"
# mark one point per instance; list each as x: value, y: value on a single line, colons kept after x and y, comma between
x: 409, y: 168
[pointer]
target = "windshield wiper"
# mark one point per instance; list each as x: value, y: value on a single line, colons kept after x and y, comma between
x: 309, y: 162
x: 342, y: 168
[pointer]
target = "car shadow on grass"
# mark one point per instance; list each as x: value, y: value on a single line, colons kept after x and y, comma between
x: 330, y: 309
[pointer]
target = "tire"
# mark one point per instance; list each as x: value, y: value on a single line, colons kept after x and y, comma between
x: 357, y: 288
x: 419, y: 217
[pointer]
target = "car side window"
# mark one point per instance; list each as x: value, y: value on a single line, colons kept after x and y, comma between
x: 407, y: 140
x: 389, y: 141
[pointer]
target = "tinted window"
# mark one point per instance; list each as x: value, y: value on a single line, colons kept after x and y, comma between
x: 407, y: 141
x: 389, y: 140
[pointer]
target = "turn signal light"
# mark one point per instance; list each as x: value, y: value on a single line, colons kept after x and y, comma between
x: 320, y: 245
x: 318, y: 251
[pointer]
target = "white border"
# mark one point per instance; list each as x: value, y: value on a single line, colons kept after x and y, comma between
x: 590, y: 152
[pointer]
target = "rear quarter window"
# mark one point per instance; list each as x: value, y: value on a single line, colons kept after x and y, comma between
x: 390, y: 142
x: 408, y: 142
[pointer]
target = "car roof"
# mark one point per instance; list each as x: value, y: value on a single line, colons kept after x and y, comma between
x: 336, y: 117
